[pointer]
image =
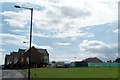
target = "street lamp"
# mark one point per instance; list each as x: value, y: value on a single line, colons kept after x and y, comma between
x: 31, y: 9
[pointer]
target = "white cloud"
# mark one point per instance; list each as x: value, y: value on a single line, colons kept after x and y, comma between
x: 74, y: 13
x: 65, y: 18
x: 65, y: 57
x: 12, y: 39
x: 2, y: 56
x: 54, y: 1
x: 40, y: 35
x: 93, y: 48
x: 1, y: 50
x: 14, y: 23
x: 73, y: 34
x: 16, y: 19
x: 116, y: 31
x: 20, y: 31
x: 15, y: 0
x: 43, y: 47
x: 61, y: 19
x: 37, y: 46
x: 63, y: 44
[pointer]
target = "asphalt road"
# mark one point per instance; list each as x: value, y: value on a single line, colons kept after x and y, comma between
x: 12, y: 75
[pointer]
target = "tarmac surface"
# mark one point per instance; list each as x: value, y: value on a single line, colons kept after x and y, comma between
x: 12, y: 75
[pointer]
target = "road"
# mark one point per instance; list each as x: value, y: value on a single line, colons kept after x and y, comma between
x: 12, y: 75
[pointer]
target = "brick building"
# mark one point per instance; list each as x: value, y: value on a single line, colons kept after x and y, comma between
x: 95, y: 59
x: 20, y: 59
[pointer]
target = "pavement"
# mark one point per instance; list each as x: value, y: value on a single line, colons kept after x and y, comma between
x: 0, y: 74
x: 12, y: 75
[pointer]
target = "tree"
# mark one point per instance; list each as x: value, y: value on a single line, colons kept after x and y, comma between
x: 117, y: 60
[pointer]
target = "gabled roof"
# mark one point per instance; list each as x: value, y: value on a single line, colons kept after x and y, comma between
x: 43, y: 51
x: 7, y: 56
x: 21, y: 50
x: 95, y: 59
x: 117, y: 60
x: 14, y: 53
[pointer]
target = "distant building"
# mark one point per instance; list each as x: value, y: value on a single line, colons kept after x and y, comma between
x: 93, y: 62
x: 7, y: 60
x: 14, y: 59
x: 78, y: 64
x: 53, y: 64
x: 59, y: 64
x: 95, y: 59
x: 20, y: 59
x: 117, y: 60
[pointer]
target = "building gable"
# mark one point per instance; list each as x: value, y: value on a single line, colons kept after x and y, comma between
x: 43, y: 51
x: 21, y: 50
x: 95, y: 59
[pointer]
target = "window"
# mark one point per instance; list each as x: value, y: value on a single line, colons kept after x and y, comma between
x: 27, y: 59
x: 22, y: 60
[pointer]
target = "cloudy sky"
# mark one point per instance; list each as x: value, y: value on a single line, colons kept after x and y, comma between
x: 66, y: 28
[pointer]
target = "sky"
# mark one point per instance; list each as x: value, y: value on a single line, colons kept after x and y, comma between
x: 70, y: 30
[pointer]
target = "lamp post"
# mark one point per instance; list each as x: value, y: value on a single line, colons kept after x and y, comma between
x: 29, y: 62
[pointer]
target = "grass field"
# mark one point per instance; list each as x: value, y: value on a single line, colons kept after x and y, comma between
x: 86, y: 72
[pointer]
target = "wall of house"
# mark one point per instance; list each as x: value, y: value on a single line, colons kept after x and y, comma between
x: 15, y: 58
x: 35, y: 56
x: 46, y: 59
x: 8, y: 61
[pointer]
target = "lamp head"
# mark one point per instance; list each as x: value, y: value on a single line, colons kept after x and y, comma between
x: 17, y: 6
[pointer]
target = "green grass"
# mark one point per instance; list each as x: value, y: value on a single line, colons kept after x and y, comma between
x: 86, y: 72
